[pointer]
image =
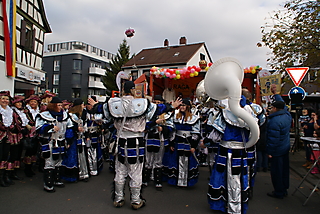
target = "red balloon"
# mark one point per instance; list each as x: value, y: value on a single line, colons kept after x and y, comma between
x: 198, y: 69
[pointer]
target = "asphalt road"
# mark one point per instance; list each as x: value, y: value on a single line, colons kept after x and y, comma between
x: 27, y: 196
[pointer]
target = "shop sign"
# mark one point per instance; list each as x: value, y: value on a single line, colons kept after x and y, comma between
x: 30, y: 75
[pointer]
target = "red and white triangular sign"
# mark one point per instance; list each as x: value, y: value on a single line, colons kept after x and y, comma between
x: 297, y: 74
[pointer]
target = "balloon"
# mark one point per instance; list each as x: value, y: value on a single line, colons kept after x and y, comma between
x: 168, y: 74
x: 177, y: 72
x: 196, y: 73
x: 173, y: 76
x: 192, y: 75
x: 129, y: 32
x: 198, y: 69
x: 161, y: 73
x: 192, y: 70
x: 178, y: 76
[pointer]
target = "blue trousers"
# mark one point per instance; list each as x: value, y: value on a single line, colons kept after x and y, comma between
x: 280, y: 174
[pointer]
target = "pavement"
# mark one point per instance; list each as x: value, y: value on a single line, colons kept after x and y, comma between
x: 94, y: 196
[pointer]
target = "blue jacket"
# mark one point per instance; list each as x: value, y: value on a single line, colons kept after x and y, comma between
x: 278, y: 133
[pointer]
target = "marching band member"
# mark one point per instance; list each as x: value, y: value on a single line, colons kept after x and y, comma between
x: 94, y: 122
x: 45, y: 100
x: 157, y: 140
x: 230, y: 179
x: 130, y: 116
x: 55, y: 132
x: 31, y: 152
x: 6, y: 127
x: 19, y: 133
x: 183, y: 164
x: 74, y: 164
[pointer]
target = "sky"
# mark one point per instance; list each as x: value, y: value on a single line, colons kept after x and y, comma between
x: 229, y: 28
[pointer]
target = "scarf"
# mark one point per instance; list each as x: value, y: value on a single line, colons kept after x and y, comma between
x: 57, y: 115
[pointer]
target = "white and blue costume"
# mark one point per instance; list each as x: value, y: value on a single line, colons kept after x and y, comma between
x: 53, y: 144
x: 181, y: 166
x: 230, y: 179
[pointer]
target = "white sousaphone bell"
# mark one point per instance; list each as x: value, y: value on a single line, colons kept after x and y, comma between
x: 223, y: 81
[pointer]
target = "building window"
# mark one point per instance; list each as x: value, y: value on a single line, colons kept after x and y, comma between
x: 95, y: 65
x: 91, y: 92
x: 76, y: 79
x: 56, y: 65
x: 77, y: 64
x: 202, y: 56
x: 55, y: 90
x: 97, y: 92
x: 146, y: 72
x: 93, y: 49
x: 134, y: 75
x: 76, y: 93
x: 55, y: 79
x: 27, y: 37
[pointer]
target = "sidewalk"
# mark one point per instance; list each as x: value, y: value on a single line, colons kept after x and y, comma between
x: 297, y: 159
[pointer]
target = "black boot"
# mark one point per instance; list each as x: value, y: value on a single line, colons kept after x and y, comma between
x: 48, y: 180
x: 14, y: 176
x: 57, y: 178
x: 157, y: 172
x: 146, y: 173
x: 28, y: 170
x: 2, y: 182
x: 7, y: 177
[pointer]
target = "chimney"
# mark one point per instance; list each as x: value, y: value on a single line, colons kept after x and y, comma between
x: 183, y: 40
x: 166, y: 43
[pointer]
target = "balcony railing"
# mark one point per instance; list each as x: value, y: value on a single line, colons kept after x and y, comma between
x: 96, y: 84
x: 97, y: 71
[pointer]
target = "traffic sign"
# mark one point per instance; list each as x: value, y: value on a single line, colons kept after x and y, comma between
x: 297, y: 74
x: 297, y: 90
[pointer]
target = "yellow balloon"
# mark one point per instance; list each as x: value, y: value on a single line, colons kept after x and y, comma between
x: 196, y: 73
x: 178, y: 76
x: 192, y: 75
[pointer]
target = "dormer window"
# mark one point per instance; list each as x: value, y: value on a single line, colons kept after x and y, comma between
x: 176, y: 54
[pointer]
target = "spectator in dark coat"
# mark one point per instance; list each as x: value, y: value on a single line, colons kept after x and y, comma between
x: 278, y: 146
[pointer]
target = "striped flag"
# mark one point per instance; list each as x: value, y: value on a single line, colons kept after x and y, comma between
x: 9, y: 29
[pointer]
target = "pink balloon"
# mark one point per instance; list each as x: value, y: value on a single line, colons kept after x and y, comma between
x: 192, y: 70
x: 173, y: 76
x: 168, y: 74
